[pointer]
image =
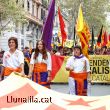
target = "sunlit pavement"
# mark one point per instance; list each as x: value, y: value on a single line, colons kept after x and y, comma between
x: 95, y: 90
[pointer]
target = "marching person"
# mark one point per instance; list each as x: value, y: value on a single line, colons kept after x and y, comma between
x: 41, y: 65
x: 60, y: 51
x: 13, y: 59
x: 26, y: 60
x: 79, y: 72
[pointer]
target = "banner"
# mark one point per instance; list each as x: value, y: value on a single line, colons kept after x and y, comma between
x: 99, y: 66
x: 19, y: 93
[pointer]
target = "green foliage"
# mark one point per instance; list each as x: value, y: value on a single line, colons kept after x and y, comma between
x: 11, y: 11
x: 94, y: 11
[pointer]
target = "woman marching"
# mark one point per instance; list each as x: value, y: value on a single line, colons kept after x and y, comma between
x: 40, y: 65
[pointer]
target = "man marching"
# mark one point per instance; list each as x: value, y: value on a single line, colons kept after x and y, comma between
x: 13, y: 60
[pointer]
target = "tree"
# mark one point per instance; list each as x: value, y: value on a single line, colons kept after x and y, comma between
x: 94, y: 11
x: 11, y: 10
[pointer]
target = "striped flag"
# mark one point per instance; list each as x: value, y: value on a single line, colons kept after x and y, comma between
x: 83, y: 32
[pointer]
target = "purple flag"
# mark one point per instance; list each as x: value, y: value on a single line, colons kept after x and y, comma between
x: 48, y: 26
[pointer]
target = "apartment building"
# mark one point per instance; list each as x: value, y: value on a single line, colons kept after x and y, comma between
x: 27, y: 33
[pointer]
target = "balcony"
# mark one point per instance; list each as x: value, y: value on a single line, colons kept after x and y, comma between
x: 38, y: 2
x: 34, y: 19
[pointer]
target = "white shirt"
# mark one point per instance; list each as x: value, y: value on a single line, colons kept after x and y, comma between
x: 78, y: 65
x: 39, y: 60
x: 13, y: 60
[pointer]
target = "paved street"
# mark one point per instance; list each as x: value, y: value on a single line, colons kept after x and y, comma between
x: 96, y: 89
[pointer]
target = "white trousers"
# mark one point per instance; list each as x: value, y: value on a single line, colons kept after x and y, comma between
x: 71, y: 83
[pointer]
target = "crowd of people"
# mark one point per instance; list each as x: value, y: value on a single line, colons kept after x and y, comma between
x: 36, y: 64
x: 104, y: 50
x: 65, y: 51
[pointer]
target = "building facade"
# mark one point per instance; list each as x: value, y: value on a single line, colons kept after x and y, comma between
x: 27, y: 33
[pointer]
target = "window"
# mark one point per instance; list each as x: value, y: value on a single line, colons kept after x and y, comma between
x: 23, y: 3
x: 16, y: 1
x: 37, y: 11
x: 37, y: 30
x: 33, y: 9
x: 22, y: 29
x: 16, y: 27
x: 42, y: 14
x: 28, y: 5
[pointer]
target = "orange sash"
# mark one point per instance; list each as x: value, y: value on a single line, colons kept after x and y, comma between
x: 8, y: 70
x: 40, y: 67
x: 80, y: 77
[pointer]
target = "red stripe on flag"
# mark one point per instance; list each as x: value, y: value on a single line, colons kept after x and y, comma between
x: 84, y: 36
x: 105, y: 41
x: 57, y: 62
x: 98, y: 44
x: 109, y: 37
x: 62, y: 27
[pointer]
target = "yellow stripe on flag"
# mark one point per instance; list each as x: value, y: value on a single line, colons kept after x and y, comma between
x: 62, y: 75
x: 80, y: 21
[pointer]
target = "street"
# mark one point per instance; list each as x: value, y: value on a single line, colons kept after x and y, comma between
x: 96, y: 89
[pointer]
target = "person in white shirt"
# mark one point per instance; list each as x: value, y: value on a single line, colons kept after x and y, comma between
x: 13, y: 60
x: 41, y: 65
x: 78, y: 66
